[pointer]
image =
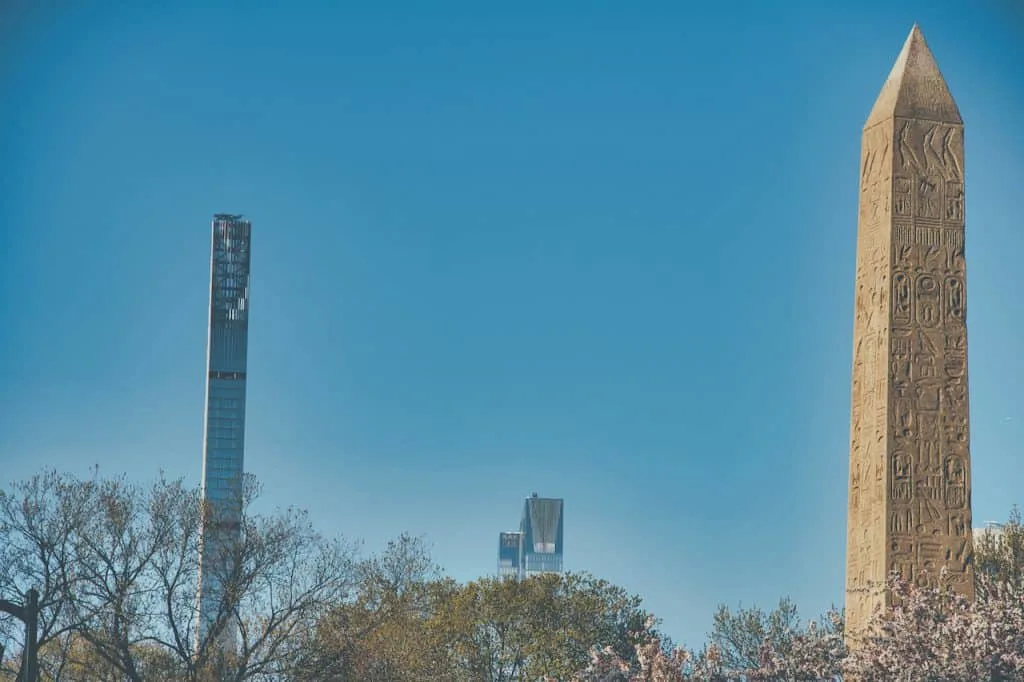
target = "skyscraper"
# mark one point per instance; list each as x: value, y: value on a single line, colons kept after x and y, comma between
x: 224, y: 429
x: 537, y: 547
x: 508, y: 554
x: 541, y: 529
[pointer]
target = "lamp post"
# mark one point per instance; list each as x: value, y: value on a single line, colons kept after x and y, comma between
x: 29, y: 615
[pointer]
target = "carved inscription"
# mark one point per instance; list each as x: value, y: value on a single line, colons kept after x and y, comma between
x: 876, y: 169
x: 903, y: 204
x: 930, y: 148
x: 955, y: 299
x: 869, y: 415
x: 928, y: 180
x: 928, y: 310
x: 929, y: 196
x: 928, y: 360
x: 909, y: 504
x: 955, y: 203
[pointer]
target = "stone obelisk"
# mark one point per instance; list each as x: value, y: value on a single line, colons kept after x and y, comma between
x: 910, y: 468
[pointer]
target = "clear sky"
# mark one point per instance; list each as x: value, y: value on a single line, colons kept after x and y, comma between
x: 599, y: 250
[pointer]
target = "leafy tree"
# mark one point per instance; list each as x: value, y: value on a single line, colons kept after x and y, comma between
x: 545, y: 626
x: 408, y: 623
x: 385, y: 633
x: 999, y: 556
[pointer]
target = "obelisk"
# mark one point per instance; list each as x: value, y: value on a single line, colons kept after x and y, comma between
x: 910, y: 467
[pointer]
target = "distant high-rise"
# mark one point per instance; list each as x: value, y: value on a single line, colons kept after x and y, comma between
x: 537, y: 547
x: 541, y: 527
x: 224, y: 429
x: 508, y: 554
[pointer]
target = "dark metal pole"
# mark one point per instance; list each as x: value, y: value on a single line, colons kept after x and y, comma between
x: 29, y: 615
x: 32, y: 635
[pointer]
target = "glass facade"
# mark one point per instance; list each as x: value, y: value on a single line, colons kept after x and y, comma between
x: 537, y: 546
x: 508, y: 554
x: 541, y: 527
x: 224, y: 428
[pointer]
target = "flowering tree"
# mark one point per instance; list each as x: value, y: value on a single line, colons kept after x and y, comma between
x: 937, y: 635
x: 810, y: 655
x: 653, y: 662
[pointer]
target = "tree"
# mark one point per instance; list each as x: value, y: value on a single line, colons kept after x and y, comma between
x: 125, y: 527
x: 40, y: 523
x: 500, y: 630
x: 385, y: 633
x: 117, y: 568
x: 407, y: 623
x: 282, y: 578
x: 999, y: 556
x: 938, y: 635
x: 786, y: 652
x: 653, y: 661
x: 811, y: 654
x: 741, y: 636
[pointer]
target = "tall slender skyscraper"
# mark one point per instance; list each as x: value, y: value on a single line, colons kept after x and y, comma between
x: 224, y: 429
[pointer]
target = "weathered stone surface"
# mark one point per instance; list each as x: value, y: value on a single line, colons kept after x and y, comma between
x: 910, y: 473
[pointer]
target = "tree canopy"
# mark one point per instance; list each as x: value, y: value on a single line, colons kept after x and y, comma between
x: 116, y: 564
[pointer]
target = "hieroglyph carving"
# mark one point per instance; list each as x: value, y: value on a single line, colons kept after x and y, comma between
x: 928, y: 179
x: 876, y: 171
x: 909, y: 505
x: 869, y: 399
x: 929, y: 498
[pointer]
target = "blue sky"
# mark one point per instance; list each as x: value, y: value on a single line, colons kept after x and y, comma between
x: 602, y: 251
